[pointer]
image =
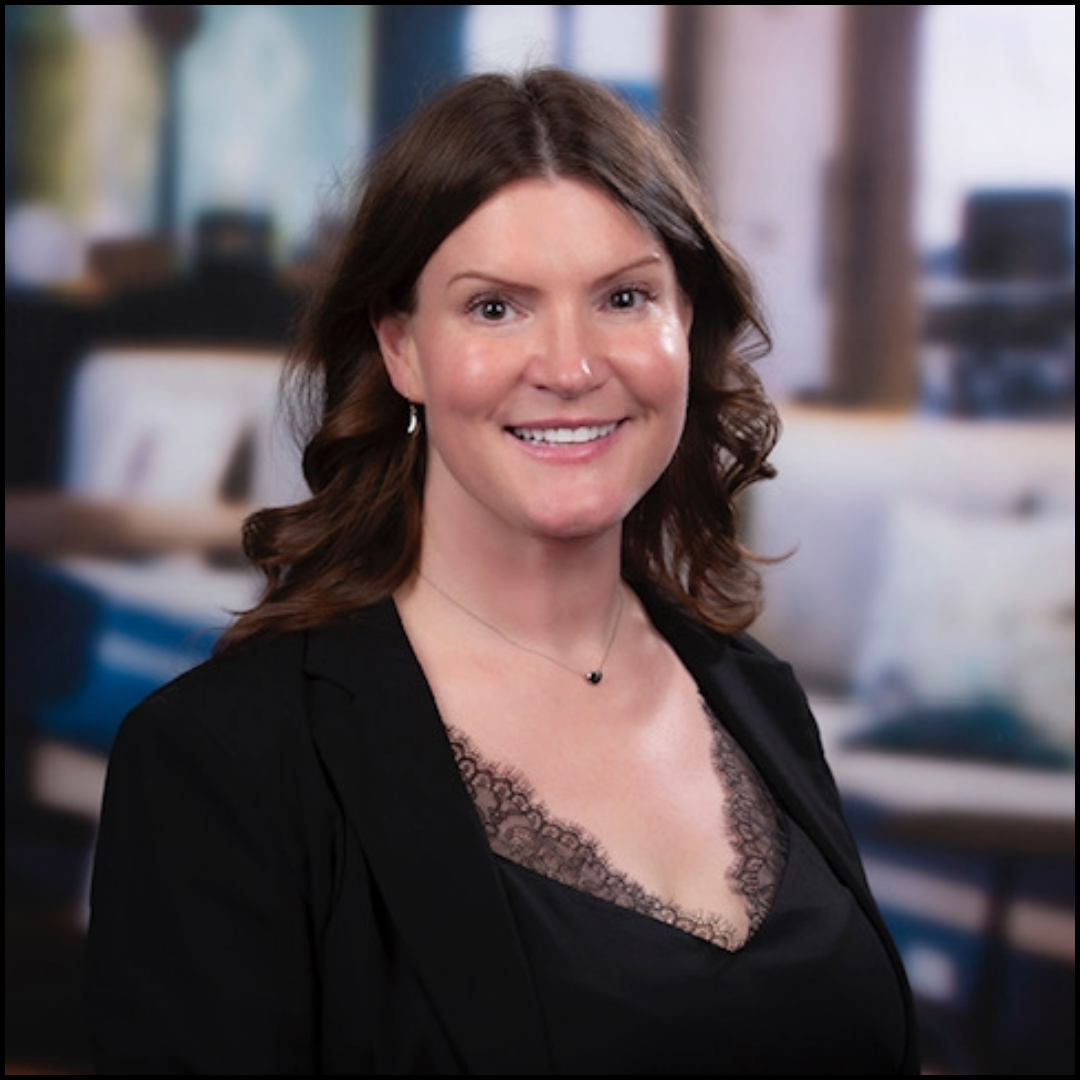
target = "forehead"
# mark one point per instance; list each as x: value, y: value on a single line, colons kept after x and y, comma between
x: 547, y: 221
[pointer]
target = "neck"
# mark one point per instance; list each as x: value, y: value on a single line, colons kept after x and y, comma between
x: 549, y: 602
x: 593, y: 673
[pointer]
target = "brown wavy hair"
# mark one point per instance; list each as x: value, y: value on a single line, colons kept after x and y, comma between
x: 357, y: 537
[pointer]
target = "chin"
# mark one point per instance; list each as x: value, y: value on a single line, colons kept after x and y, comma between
x: 580, y: 515
x: 578, y: 525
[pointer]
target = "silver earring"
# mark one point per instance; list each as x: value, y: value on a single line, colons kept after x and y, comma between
x: 413, y: 425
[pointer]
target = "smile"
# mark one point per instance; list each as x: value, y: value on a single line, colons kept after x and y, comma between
x: 563, y: 436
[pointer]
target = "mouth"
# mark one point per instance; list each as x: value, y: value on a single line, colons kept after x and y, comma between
x: 563, y: 436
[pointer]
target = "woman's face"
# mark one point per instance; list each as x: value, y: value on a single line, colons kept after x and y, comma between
x: 549, y: 347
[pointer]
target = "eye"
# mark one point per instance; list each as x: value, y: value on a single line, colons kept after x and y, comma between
x: 628, y: 298
x: 492, y: 309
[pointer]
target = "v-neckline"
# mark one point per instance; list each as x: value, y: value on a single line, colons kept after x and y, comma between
x: 522, y: 830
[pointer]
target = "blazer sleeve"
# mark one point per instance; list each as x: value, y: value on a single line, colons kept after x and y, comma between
x: 200, y: 943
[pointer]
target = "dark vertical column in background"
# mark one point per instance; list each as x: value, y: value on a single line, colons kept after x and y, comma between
x: 874, y: 263
x: 170, y: 27
x: 419, y: 49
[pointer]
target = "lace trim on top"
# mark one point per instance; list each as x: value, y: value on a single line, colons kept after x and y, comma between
x: 520, y: 828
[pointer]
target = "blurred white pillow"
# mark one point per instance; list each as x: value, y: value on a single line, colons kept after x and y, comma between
x: 972, y: 608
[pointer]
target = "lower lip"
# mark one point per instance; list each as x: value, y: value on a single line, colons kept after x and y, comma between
x: 567, y: 453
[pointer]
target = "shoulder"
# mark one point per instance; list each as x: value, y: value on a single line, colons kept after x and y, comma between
x: 256, y: 705
x: 235, y: 712
x: 260, y: 670
x: 248, y: 688
x: 263, y: 698
x: 757, y: 691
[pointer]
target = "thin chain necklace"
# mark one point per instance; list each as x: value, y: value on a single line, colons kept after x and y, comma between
x: 592, y: 676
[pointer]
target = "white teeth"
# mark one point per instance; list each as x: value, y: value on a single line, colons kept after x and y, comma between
x: 563, y: 436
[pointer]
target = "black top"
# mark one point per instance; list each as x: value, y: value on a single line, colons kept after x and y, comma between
x: 631, y: 984
x: 811, y: 992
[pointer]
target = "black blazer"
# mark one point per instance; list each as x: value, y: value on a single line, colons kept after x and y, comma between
x: 355, y: 922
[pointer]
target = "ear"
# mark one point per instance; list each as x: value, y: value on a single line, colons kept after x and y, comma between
x: 398, y: 348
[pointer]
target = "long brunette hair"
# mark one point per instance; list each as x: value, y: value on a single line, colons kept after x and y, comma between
x: 358, y: 536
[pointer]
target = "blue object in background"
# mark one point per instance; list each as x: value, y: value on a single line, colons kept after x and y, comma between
x: 78, y: 659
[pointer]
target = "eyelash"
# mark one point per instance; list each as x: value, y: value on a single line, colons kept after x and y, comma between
x: 477, y: 303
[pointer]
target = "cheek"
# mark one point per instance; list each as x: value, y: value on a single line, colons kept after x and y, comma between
x: 479, y: 369
x: 667, y: 374
x: 664, y: 388
x: 673, y: 334
x: 463, y: 374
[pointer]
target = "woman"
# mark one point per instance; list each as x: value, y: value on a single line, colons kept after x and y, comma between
x: 491, y: 779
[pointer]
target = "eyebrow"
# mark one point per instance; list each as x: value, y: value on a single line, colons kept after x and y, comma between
x: 646, y: 262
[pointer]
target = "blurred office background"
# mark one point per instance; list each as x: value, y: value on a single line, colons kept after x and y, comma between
x: 902, y: 180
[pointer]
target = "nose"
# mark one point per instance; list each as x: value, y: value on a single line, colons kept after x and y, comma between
x: 567, y: 356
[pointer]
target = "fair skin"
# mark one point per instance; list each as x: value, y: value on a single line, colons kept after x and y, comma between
x: 549, y: 348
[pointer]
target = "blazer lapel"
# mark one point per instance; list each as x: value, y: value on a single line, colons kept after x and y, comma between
x: 759, y: 700
x: 389, y: 756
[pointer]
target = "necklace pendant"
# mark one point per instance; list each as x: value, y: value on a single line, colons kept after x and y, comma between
x: 593, y: 676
